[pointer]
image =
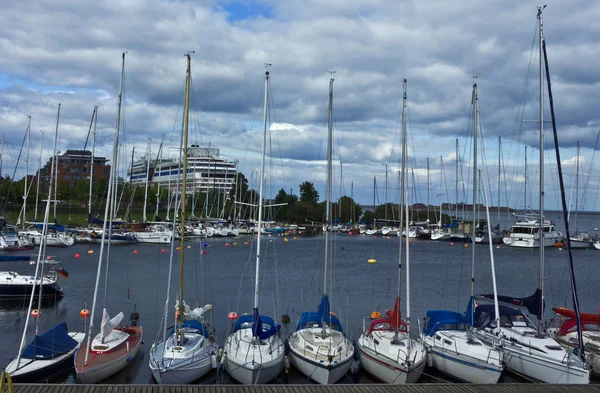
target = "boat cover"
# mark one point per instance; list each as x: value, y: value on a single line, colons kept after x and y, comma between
x: 532, y: 303
x: 263, y: 327
x: 439, y: 318
x: 483, y: 309
x: 324, y: 315
x: 194, y: 324
x: 53, y: 343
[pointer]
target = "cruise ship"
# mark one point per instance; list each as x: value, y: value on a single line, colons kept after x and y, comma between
x: 207, y: 170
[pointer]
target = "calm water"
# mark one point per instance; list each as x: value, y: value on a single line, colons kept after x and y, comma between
x: 291, y: 282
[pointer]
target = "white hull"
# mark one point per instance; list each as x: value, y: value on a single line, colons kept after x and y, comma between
x: 55, y: 241
x: 318, y: 373
x: 532, y: 241
x: 153, y: 238
x: 250, y: 363
x: 180, y: 372
x: 575, y: 243
x: 390, y: 370
x: 477, y: 363
x: 569, y: 342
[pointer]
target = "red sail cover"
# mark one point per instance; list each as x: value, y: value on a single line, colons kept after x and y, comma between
x: 395, y: 315
x: 585, y: 317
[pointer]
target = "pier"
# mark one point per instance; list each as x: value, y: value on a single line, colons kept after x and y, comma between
x: 374, y: 388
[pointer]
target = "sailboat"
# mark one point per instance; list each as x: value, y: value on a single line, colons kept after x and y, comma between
x: 187, y: 353
x: 453, y: 347
x: 527, y: 349
x: 579, y: 239
x: 319, y: 348
x: 386, y: 349
x: 108, y: 352
x: 254, y: 350
x: 49, y: 353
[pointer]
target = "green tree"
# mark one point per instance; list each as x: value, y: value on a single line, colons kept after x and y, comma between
x: 368, y: 218
x: 349, y: 211
x: 308, y: 194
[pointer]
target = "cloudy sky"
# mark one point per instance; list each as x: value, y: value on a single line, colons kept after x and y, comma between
x: 70, y: 53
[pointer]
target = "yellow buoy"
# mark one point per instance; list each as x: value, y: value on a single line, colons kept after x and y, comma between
x: 497, y: 246
x: 90, y: 251
x: 294, y: 238
x: 371, y: 261
x: 375, y: 315
x: 245, y: 243
x: 387, y: 237
x: 178, y: 248
x: 235, y: 243
x: 285, y: 239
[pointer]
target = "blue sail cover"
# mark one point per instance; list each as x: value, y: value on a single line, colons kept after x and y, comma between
x: 439, y: 318
x: 263, y: 327
x: 311, y: 318
x: 50, y: 344
x: 533, y: 303
x: 194, y: 324
x: 485, y: 313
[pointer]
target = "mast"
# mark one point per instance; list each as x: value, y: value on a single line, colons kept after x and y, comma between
x: 563, y: 198
x: 158, y: 160
x: 499, y: 174
x: 456, y: 191
x: 54, y: 163
x: 186, y: 121
x: 386, y: 189
x: 352, y: 207
x: 525, y: 200
x: 148, y: 177
x: 577, y: 188
x: 260, y: 194
x: 374, y: 206
x: 26, y: 182
x: 473, y: 232
x: 541, y: 221
x: 406, y: 203
x: 111, y: 179
x: 1, y: 151
x: 92, y: 159
x: 428, y: 189
x: 37, y: 189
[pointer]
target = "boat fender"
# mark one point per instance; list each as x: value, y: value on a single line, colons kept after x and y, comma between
x: 220, y: 355
x: 285, y: 318
x: 213, y: 361
x: 429, y: 360
x: 286, y: 363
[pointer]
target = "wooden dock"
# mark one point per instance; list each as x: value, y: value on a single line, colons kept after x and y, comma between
x: 417, y: 388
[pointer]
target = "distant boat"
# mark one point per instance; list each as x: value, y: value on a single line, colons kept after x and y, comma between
x: 15, y: 286
x: 13, y: 258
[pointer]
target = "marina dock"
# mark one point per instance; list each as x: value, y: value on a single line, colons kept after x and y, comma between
x: 417, y: 388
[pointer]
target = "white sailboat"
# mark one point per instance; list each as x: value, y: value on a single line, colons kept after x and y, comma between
x: 527, y: 349
x: 319, y: 348
x: 254, y: 350
x: 186, y: 354
x: 386, y: 349
x: 108, y: 352
x: 452, y: 345
x: 49, y: 353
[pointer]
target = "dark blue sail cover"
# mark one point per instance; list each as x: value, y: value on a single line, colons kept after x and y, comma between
x: 437, y: 319
x: 51, y: 344
x: 323, y: 316
x: 194, y: 324
x: 263, y: 327
x: 485, y: 313
x: 532, y: 303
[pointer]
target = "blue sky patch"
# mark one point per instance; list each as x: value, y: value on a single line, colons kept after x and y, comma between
x: 241, y: 10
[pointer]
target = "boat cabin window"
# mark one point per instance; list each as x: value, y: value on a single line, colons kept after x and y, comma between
x: 452, y: 326
x: 382, y: 326
x: 592, y: 327
x: 517, y: 320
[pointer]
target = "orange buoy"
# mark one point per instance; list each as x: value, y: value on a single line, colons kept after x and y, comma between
x: 497, y: 246
x: 375, y: 315
x: 163, y: 250
x: 135, y: 251
x: 410, y: 240
x: 245, y: 243
x: 285, y: 239
x: 235, y: 243
x: 78, y: 255
x: 90, y: 251
x: 35, y: 312
x: 84, y: 313
x: 178, y: 248
x: 232, y: 316
x: 294, y: 238
x: 465, y: 245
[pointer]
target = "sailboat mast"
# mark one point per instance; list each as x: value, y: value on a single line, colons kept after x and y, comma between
x: 525, y: 195
x: 456, y: 190
x: 260, y: 190
x: 577, y: 188
x: 54, y: 163
x: 158, y: 160
x: 474, y: 188
x: 329, y: 175
x: 499, y: 175
x: 374, y: 206
x: 148, y: 176
x: 26, y: 182
x: 541, y: 221
x: 111, y: 180
x: 428, y: 190
x: 37, y: 189
x: 407, y: 240
x: 186, y: 120
x: 92, y: 159
x: 386, y: 189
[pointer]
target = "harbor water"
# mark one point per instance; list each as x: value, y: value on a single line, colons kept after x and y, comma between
x: 291, y: 281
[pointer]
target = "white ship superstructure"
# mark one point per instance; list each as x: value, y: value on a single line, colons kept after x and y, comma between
x: 206, y: 171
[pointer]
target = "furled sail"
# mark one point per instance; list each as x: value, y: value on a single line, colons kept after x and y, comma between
x: 109, y: 324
